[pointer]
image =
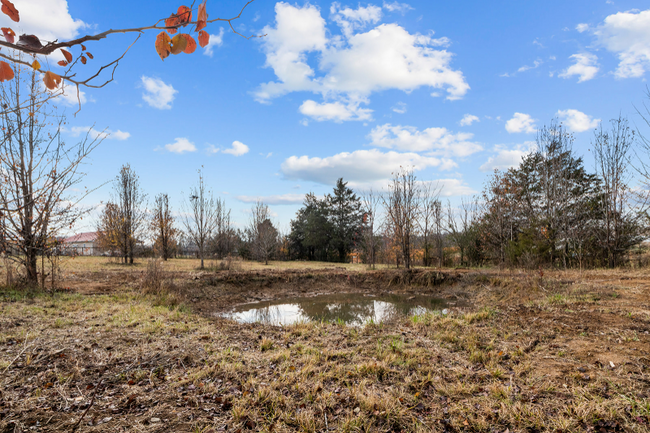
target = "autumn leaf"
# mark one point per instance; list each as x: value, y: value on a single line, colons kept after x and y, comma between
x: 83, y: 47
x: 204, y: 38
x: 51, y: 80
x: 179, y: 43
x: 90, y: 56
x: 35, y: 65
x: 8, y: 34
x: 201, y: 21
x: 163, y: 45
x: 172, y: 21
x: 10, y: 10
x: 62, y: 63
x: 184, y: 14
x: 6, y: 73
x: 83, y: 60
x: 191, y: 44
x: 67, y: 55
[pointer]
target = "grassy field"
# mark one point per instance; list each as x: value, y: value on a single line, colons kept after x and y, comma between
x: 565, y: 351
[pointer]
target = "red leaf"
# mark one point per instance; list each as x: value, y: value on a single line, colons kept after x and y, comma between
x: 204, y: 38
x: 62, y: 63
x: 172, y: 21
x: 184, y: 14
x: 191, y: 44
x: 163, y: 45
x: 51, y: 80
x: 90, y: 56
x: 83, y: 47
x: 201, y: 21
x: 83, y: 60
x: 67, y: 55
x: 6, y: 73
x: 8, y: 34
x: 10, y: 10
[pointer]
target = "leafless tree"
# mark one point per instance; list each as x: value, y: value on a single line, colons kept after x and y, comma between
x: 370, y: 202
x: 429, y: 218
x: 460, y: 222
x: 38, y: 171
x: 263, y: 235
x: 131, y: 201
x: 201, y: 216
x: 223, y: 240
x: 402, y: 205
x: 162, y: 225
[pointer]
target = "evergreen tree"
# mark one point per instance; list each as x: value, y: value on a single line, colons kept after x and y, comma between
x: 346, y: 219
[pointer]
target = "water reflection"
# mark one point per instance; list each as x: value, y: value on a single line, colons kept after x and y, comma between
x: 354, y: 309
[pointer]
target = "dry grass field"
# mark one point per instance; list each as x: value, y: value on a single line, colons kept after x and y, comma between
x: 117, y: 350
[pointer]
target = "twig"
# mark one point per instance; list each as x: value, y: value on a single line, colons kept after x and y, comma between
x: 76, y: 426
x: 19, y: 355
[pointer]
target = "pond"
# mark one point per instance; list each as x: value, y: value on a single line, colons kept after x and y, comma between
x: 349, y: 308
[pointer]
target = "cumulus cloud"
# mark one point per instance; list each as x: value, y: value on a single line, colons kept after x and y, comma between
x: 585, y: 67
x: 354, y: 65
x: 436, y: 141
x: 274, y: 199
x: 397, y: 7
x: 521, y: 122
x: 76, y: 131
x: 336, y: 111
x: 215, y: 41
x: 358, y: 167
x: 506, y: 158
x: 181, y: 145
x: 157, y: 93
x: 47, y: 19
x: 237, y: 149
x: 453, y: 187
x: 581, y: 28
x: 399, y: 108
x: 628, y: 35
x: 468, y: 119
x: 577, y: 121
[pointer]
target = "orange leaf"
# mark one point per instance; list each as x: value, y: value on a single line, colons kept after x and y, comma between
x: 163, y: 45
x: 51, y: 80
x: 9, y: 9
x: 67, y: 55
x: 201, y: 21
x: 179, y: 43
x: 204, y: 38
x: 172, y: 21
x: 6, y: 73
x: 191, y: 44
x: 36, y: 65
x: 83, y: 47
x: 8, y: 34
x: 83, y: 60
x: 90, y: 56
x: 62, y: 63
x: 184, y: 14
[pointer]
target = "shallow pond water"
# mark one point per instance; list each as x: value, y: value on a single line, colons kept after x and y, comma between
x: 349, y: 308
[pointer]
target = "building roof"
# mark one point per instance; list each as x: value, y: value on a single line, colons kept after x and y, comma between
x: 82, y: 237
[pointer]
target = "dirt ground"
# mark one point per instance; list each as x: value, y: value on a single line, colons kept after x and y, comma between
x: 528, y: 351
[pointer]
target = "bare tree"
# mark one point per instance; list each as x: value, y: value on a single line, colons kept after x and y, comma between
x: 162, y: 225
x: 131, y: 201
x: 428, y: 218
x: 370, y: 202
x: 38, y: 171
x: 201, y: 216
x: 402, y: 206
x: 460, y: 223
x: 262, y: 234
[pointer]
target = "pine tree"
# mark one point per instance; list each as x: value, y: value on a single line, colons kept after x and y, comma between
x: 346, y: 218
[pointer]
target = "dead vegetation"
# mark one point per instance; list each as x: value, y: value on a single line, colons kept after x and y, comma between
x: 561, y: 352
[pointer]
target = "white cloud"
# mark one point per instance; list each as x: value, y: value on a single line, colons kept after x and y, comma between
x: 398, y: 7
x: 585, y: 66
x: 506, y: 158
x: 468, y: 119
x: 76, y: 131
x: 437, y: 141
x: 453, y: 187
x: 352, y: 66
x: 70, y: 97
x: 337, y: 111
x: 358, y: 167
x: 536, y: 64
x: 577, y: 121
x: 628, y: 35
x: 181, y: 145
x: 157, y: 93
x: 215, y: 41
x: 400, y: 108
x: 581, y: 28
x: 238, y: 149
x: 49, y: 20
x: 521, y: 122
x: 274, y: 199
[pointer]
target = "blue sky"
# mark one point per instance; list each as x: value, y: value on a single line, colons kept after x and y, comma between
x: 347, y: 89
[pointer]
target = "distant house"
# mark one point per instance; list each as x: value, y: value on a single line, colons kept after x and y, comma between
x: 82, y: 244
